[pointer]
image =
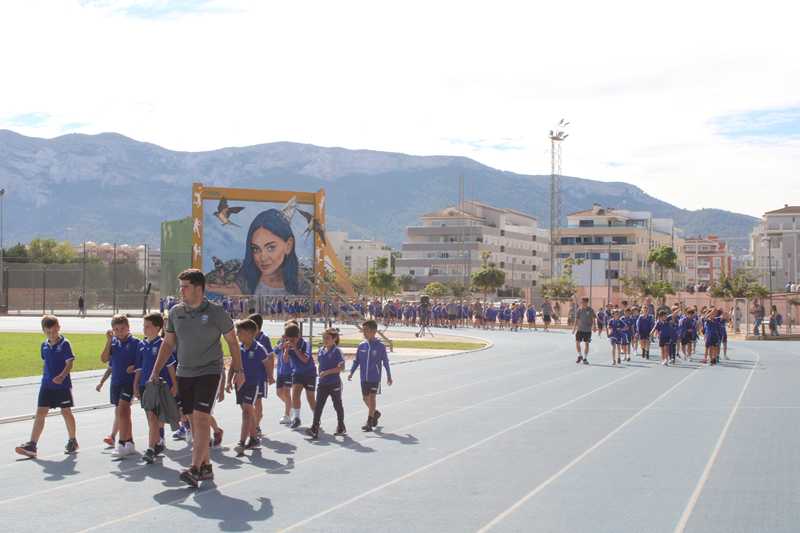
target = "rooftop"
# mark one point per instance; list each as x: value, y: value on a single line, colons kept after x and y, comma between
x: 785, y: 210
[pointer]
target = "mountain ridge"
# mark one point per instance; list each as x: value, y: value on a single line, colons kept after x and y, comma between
x: 108, y: 181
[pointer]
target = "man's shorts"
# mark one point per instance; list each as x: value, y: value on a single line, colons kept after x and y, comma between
x: 645, y: 338
x: 248, y: 394
x: 308, y: 382
x: 121, y: 392
x: 55, y: 398
x: 198, y: 393
x: 283, y: 382
x: 583, y: 336
x: 370, y: 387
x: 452, y: 317
x: 547, y: 319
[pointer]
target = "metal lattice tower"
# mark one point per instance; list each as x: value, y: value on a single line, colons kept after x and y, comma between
x: 557, y: 135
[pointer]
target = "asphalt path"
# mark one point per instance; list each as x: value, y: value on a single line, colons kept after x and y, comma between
x: 513, y: 438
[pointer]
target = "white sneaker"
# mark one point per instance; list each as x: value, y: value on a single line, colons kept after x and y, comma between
x: 129, y: 448
x: 188, y: 436
x: 119, y: 451
x: 284, y: 420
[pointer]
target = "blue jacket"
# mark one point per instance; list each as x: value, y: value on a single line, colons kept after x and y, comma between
x: 370, y: 355
x: 644, y: 325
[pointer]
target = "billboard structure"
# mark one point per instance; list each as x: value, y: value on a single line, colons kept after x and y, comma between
x: 253, y: 242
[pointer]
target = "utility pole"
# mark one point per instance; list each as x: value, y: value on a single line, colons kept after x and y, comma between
x: 557, y: 135
x: 3, y: 297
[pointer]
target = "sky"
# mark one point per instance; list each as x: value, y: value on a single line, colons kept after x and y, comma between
x: 696, y: 102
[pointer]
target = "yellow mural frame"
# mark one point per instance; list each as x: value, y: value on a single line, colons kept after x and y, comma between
x: 323, y: 254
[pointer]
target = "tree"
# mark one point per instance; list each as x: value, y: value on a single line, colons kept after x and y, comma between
x: 360, y: 283
x: 406, y: 281
x: 381, y: 281
x: 743, y: 284
x: 561, y: 288
x: 50, y: 251
x: 435, y: 289
x: 458, y: 289
x: 488, y: 278
x: 16, y: 254
x: 664, y: 257
x: 640, y: 287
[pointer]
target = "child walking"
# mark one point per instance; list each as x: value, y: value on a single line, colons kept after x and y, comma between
x: 55, y: 392
x: 331, y: 365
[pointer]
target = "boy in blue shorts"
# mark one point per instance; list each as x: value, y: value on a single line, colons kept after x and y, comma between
x: 665, y: 332
x: 145, y: 360
x: 120, y: 351
x: 370, y: 356
x: 264, y: 341
x: 55, y: 392
x: 616, y: 334
x: 283, y: 382
x: 257, y: 365
x: 304, y: 371
x: 644, y: 325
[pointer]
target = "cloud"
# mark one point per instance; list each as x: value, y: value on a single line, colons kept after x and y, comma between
x: 26, y: 120
x: 759, y: 124
x: 641, y: 85
x: 156, y: 9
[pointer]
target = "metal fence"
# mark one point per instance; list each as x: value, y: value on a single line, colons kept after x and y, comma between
x: 106, y: 288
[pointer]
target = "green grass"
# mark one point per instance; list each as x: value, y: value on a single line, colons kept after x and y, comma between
x: 19, y: 352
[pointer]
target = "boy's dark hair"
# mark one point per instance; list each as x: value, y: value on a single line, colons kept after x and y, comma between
x: 48, y: 321
x: 258, y: 319
x: 370, y: 324
x: 690, y: 311
x: 291, y: 331
x: 584, y: 299
x: 119, y: 319
x: 157, y: 319
x: 247, y: 325
x: 662, y: 313
x: 194, y: 276
x: 333, y: 332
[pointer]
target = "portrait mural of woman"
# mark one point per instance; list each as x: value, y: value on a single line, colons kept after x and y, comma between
x: 271, y: 264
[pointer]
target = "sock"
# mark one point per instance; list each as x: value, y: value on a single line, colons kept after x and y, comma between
x: 161, y: 433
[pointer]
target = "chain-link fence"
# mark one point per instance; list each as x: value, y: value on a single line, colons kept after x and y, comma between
x: 123, y: 285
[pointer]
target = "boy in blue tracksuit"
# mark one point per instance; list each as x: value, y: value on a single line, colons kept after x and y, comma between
x: 55, y: 391
x: 531, y: 316
x: 616, y: 334
x: 687, y: 332
x: 644, y: 325
x: 331, y: 365
x: 120, y: 351
x: 370, y: 356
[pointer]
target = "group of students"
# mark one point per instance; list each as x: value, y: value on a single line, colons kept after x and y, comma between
x: 677, y: 331
x: 289, y: 366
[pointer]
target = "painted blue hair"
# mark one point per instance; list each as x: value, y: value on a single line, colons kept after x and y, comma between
x: 274, y: 221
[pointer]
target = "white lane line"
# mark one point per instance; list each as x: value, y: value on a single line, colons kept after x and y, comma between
x: 337, y: 450
x: 188, y: 452
x: 143, y: 436
x: 544, y: 484
x: 452, y: 455
x: 701, y: 483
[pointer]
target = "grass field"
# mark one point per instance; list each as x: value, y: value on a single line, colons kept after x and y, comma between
x: 19, y: 352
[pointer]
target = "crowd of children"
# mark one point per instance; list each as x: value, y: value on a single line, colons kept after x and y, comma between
x: 288, y: 365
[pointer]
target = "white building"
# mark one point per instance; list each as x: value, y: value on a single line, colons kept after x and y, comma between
x: 449, y: 244
x: 775, y: 247
x: 358, y: 255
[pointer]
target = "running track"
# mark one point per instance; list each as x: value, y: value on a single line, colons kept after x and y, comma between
x: 513, y: 438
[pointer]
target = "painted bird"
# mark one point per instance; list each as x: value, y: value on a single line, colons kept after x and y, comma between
x: 223, y: 212
x: 313, y: 225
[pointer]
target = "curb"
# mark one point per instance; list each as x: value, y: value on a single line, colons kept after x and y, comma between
x: 22, y: 418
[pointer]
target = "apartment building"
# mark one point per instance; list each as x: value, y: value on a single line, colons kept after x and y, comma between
x: 358, y: 255
x: 774, y: 245
x: 449, y: 244
x: 612, y: 243
x: 708, y: 259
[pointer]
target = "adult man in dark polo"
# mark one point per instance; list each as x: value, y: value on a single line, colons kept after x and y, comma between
x: 195, y: 327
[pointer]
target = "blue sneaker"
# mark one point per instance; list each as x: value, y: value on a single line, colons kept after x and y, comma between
x: 180, y: 434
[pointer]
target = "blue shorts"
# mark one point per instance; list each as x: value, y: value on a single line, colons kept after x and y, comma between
x: 369, y: 387
x: 122, y: 392
x: 283, y: 382
x: 309, y: 382
x: 247, y: 394
x: 55, y: 398
x: 262, y: 389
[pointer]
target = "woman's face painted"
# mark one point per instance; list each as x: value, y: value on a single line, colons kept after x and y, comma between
x: 269, y: 251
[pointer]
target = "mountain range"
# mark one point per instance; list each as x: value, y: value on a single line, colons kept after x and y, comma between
x: 109, y: 187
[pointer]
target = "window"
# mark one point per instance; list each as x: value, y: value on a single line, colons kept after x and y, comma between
x: 615, y: 256
x: 567, y: 240
x: 612, y: 274
x: 563, y: 256
x: 533, y: 238
x: 502, y: 264
x: 586, y: 223
x: 502, y: 248
x: 411, y: 272
x: 619, y: 240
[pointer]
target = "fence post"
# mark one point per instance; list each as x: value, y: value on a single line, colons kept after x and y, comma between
x: 44, y: 290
